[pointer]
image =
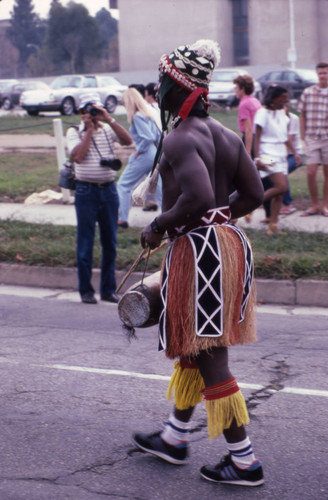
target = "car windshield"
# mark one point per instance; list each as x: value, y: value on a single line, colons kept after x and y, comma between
x: 224, y: 76
x: 108, y: 81
x: 308, y: 74
x: 67, y: 81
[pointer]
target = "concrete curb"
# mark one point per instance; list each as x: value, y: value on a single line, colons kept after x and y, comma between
x: 311, y: 293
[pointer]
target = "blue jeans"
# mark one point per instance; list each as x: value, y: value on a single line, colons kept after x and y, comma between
x: 94, y: 204
x: 287, y: 199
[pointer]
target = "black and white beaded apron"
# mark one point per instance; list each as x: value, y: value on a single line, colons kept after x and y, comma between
x: 208, y: 282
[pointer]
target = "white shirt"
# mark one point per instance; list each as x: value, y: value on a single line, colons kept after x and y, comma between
x: 274, y: 125
x: 89, y: 170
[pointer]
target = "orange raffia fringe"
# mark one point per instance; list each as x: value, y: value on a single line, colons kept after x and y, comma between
x: 180, y: 317
x: 187, y: 383
x: 224, y: 403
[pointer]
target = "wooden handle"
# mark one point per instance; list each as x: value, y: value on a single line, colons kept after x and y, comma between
x: 136, y: 262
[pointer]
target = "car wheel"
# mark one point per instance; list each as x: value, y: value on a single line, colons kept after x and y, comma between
x: 67, y: 107
x: 6, y: 104
x: 111, y: 103
x: 32, y: 112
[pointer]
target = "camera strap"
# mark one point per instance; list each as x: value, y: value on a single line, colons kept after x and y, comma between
x: 109, y: 145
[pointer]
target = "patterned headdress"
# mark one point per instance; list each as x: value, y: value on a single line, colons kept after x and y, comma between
x: 191, y: 67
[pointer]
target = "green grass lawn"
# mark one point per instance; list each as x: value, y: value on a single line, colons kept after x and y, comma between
x: 16, y: 125
x: 44, y: 124
x: 292, y: 255
x: 22, y: 174
x: 288, y: 256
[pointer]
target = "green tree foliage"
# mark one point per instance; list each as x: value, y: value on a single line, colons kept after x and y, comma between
x: 107, y: 25
x: 26, y: 31
x: 73, y: 36
x: 108, y: 28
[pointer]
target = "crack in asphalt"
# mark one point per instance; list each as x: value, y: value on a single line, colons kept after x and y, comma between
x: 276, y: 384
x: 57, y: 481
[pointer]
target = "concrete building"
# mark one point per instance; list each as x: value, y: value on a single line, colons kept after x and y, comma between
x: 250, y: 32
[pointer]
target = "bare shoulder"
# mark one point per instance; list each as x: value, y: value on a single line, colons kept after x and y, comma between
x: 180, y: 141
x: 199, y: 136
x: 219, y: 131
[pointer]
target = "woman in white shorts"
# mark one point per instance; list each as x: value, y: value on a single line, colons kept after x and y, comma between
x: 271, y: 141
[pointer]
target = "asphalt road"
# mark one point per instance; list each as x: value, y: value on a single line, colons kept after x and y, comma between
x: 74, y: 390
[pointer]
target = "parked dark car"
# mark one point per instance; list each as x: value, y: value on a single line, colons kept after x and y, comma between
x: 11, y: 91
x: 5, y: 85
x: 294, y: 80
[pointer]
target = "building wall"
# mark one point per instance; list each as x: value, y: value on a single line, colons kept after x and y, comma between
x: 269, y: 31
x: 322, y: 30
x: 149, y: 28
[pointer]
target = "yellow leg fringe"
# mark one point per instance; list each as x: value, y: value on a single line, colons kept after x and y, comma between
x: 187, y: 385
x: 221, y: 412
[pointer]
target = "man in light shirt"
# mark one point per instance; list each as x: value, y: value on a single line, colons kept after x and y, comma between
x: 313, y: 109
x: 96, y: 198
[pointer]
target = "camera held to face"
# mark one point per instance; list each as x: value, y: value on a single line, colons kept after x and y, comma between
x: 91, y: 110
x: 114, y: 164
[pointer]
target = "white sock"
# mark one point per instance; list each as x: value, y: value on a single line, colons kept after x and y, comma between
x: 176, y: 432
x: 242, y: 453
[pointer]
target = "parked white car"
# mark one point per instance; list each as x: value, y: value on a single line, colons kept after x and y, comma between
x: 64, y: 94
x: 222, y: 88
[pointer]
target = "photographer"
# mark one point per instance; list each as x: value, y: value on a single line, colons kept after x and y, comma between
x: 96, y: 199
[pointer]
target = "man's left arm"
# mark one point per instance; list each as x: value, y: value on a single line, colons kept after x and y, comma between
x: 249, y: 189
x: 121, y: 133
x: 248, y: 135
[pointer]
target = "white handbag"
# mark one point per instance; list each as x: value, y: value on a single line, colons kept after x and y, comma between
x: 147, y: 186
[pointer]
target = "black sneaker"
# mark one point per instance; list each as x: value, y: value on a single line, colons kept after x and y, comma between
x: 110, y: 297
x: 89, y: 299
x: 154, y: 444
x: 123, y: 225
x: 228, y: 473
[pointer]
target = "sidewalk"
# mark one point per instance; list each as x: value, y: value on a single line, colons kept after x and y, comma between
x: 60, y: 214
x: 65, y: 215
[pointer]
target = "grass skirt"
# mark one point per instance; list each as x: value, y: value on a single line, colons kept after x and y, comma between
x: 182, y: 340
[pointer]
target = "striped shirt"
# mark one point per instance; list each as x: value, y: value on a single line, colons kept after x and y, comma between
x: 89, y: 170
x: 314, y: 105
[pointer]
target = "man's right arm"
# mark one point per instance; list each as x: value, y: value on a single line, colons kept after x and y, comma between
x: 302, y: 125
x: 80, y: 151
x: 249, y: 189
x: 301, y: 109
x: 78, y: 144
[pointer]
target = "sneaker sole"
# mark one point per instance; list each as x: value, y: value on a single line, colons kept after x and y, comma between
x: 241, y: 482
x: 167, y: 458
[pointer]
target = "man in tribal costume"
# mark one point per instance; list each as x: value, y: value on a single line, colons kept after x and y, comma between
x: 207, y: 292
